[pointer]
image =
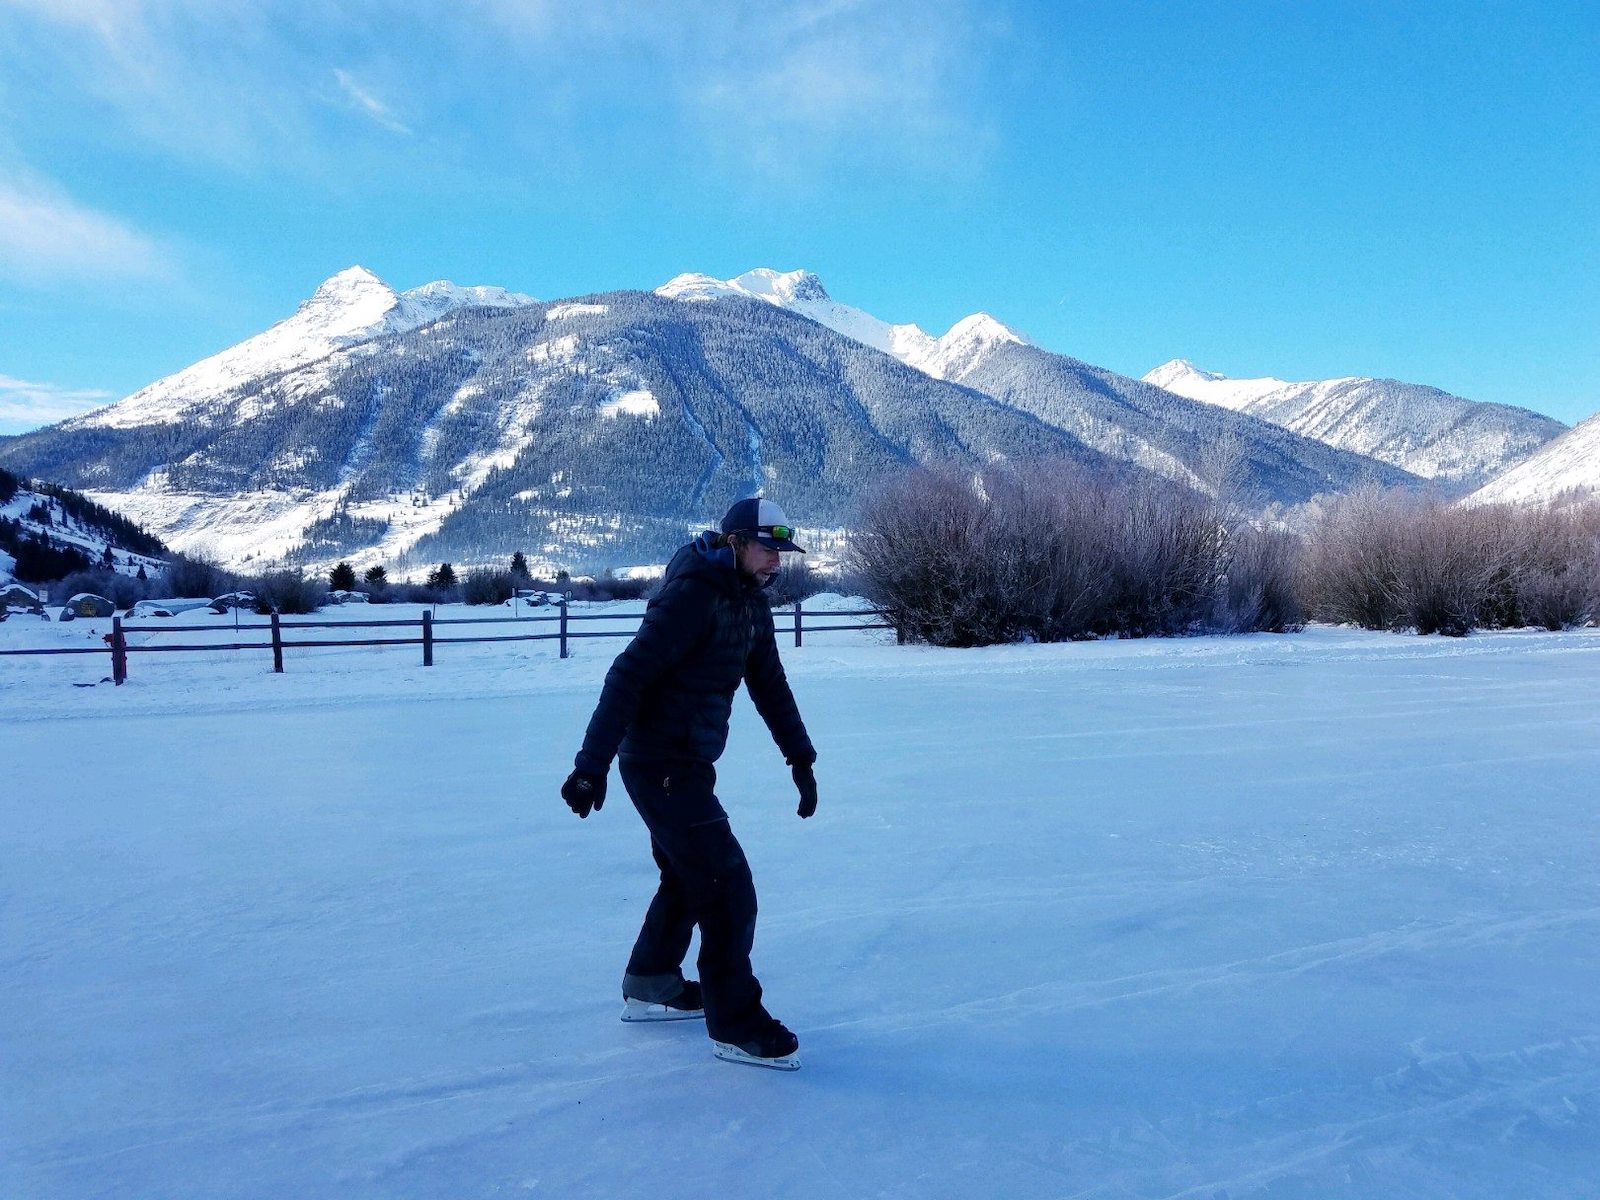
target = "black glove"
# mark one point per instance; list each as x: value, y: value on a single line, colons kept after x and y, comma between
x: 584, y: 791
x: 805, y: 780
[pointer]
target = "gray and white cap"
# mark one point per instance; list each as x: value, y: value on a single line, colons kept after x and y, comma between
x: 764, y: 520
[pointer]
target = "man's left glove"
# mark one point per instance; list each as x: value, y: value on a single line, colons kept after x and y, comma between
x: 805, y: 780
x: 584, y: 791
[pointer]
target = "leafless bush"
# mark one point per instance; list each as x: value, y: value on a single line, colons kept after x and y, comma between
x: 1455, y: 569
x: 289, y: 592
x: 931, y: 551
x: 490, y: 585
x: 1396, y: 560
x: 410, y: 593
x: 609, y: 587
x: 1166, y: 555
x: 1257, y: 590
x: 122, y: 590
x: 1559, y: 586
x: 1053, y: 553
x: 1349, y: 572
x: 196, y: 576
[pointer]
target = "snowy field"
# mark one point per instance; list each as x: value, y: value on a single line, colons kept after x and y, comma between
x: 1307, y: 916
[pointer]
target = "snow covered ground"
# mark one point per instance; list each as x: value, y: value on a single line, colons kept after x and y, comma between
x: 1306, y: 916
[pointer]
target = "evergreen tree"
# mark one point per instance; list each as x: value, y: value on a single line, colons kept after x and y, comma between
x: 442, y: 577
x: 342, y: 578
x: 141, y: 574
x: 519, y: 565
x: 108, y: 560
x: 377, y: 578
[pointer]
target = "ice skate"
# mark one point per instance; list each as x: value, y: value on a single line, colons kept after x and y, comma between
x: 685, y: 1006
x: 774, y: 1048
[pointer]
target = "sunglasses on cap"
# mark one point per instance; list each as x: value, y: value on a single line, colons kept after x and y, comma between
x: 781, y: 532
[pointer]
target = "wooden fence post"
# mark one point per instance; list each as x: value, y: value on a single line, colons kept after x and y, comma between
x: 119, y: 652
x: 427, y: 639
x: 563, y: 627
x: 799, y: 618
x: 277, y: 645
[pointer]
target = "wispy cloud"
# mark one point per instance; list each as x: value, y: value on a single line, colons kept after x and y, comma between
x: 364, y: 102
x: 797, y: 84
x: 46, y: 234
x: 25, y: 405
x: 797, y: 81
x: 896, y: 81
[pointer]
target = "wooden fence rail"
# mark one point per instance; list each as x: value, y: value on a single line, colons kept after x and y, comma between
x: 119, y: 648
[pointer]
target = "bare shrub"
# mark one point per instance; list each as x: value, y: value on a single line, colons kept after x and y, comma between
x: 290, y: 592
x: 122, y: 590
x: 1349, y: 572
x: 1396, y: 560
x: 1258, y: 590
x: 1559, y: 584
x: 1055, y: 552
x: 196, y: 576
x: 926, y: 550
x: 409, y: 593
x: 490, y: 585
x: 610, y: 587
x: 1165, y: 561
x: 1453, y: 569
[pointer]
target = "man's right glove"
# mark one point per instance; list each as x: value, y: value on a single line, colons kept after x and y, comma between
x: 584, y: 791
x: 805, y: 780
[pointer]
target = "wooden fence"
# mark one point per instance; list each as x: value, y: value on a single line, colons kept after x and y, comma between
x: 425, y: 636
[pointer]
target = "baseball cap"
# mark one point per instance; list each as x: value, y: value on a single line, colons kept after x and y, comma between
x: 765, y: 520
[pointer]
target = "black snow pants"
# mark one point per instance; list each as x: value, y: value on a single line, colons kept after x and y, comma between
x: 705, y: 881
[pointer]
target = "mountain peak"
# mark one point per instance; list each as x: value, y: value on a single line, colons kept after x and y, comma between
x: 351, y: 280
x: 420, y: 305
x: 1178, y: 370
x: 353, y: 298
x: 968, y: 343
x: 981, y: 327
x: 783, y: 286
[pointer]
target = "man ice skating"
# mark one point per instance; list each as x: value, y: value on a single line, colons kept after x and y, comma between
x: 665, y: 708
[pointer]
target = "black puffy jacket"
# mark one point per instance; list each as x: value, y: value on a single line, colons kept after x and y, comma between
x: 670, y: 693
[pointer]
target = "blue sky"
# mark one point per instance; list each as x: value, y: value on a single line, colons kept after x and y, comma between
x: 1301, y: 190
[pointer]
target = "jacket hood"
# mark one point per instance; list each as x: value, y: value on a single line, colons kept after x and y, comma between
x: 703, y: 557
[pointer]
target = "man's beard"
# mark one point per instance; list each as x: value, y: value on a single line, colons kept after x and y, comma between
x: 760, y: 578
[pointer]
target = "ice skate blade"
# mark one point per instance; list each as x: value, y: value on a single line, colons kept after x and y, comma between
x: 731, y: 1053
x: 639, y: 1010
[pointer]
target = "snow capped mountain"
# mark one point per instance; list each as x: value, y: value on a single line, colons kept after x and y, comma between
x: 1196, y: 444
x: 348, y: 308
x: 1183, y: 378
x: 1568, y: 467
x: 433, y: 300
x: 597, y: 429
x: 802, y: 292
x: 590, y: 431
x: 1421, y: 429
x: 969, y: 341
